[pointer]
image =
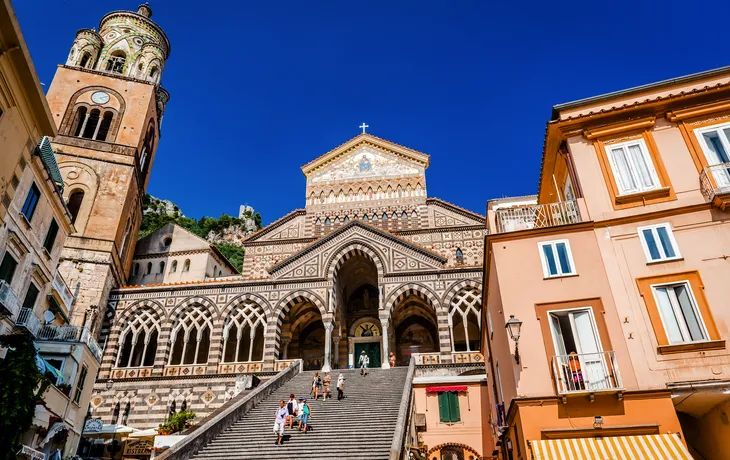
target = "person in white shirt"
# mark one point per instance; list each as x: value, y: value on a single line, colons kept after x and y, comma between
x: 280, y: 421
x: 363, y: 363
x: 291, y: 408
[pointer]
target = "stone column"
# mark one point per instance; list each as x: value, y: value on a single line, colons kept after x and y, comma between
x: 337, y: 350
x: 327, y: 346
x: 384, y: 323
x: 285, y: 348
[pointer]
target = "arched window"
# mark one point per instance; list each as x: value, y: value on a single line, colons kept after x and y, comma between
x: 162, y: 268
x: 147, y: 147
x: 345, y: 220
x: 125, y: 417
x: 459, y: 256
x: 116, y: 62
x: 365, y: 218
x: 465, y: 320
x: 91, y: 124
x: 138, y: 339
x: 115, y: 414
x: 375, y: 217
x: 394, y: 216
x: 243, y: 334
x: 190, y: 336
x: 75, y: 199
x: 106, y: 123
x: 186, y: 265
x: 404, y: 215
x: 85, y: 58
x: 327, y: 221
x: 172, y: 408
x: 215, y: 269
x: 318, y: 221
x: 79, y: 121
x: 149, y: 268
x: 173, y: 267
x: 385, y: 216
x: 135, y: 272
x: 153, y: 72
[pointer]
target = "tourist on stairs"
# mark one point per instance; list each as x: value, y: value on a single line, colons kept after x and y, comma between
x: 327, y: 380
x: 300, y: 412
x: 306, y: 410
x: 363, y: 363
x: 340, y: 386
x: 316, y: 383
x: 280, y: 421
x: 391, y: 359
x: 291, y: 408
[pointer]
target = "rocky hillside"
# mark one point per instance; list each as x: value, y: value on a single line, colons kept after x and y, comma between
x: 226, y: 232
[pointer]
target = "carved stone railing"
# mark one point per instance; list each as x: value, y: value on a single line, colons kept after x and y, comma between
x: 537, y: 216
x: 242, y: 368
x: 64, y: 293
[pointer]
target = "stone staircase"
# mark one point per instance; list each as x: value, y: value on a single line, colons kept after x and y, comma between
x: 360, y: 427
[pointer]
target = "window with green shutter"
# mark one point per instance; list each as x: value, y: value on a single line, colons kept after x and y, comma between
x: 449, y: 407
x: 51, y: 236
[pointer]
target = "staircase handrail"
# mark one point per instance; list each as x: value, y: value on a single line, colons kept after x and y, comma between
x: 396, y: 449
x: 209, y: 430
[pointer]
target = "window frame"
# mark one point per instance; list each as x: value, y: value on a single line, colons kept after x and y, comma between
x: 717, y: 128
x: 653, y: 228
x: 12, y: 271
x: 80, y: 383
x: 649, y: 161
x: 545, y: 267
x: 29, y: 213
x: 31, y: 285
x: 695, y: 307
x: 450, y: 399
x: 49, y: 242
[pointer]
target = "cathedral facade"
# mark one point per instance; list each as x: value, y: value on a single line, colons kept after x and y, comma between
x: 370, y: 264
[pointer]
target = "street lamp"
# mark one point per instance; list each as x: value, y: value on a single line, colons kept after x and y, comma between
x: 513, y: 326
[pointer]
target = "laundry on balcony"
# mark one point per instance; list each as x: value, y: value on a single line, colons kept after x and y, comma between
x: 46, y: 368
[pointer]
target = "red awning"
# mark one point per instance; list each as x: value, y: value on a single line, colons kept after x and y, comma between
x: 440, y: 389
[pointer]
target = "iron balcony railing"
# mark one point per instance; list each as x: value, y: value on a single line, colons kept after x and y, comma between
x: 71, y: 334
x: 9, y: 303
x: 715, y: 180
x: 64, y: 292
x: 537, y: 216
x: 26, y: 319
x: 589, y: 372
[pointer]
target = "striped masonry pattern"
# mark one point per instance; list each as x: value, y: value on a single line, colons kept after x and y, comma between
x: 646, y: 447
x: 351, y: 250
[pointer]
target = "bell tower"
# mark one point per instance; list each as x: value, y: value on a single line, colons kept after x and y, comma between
x: 108, y: 105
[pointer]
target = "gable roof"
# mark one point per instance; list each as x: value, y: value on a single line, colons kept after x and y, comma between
x: 456, y: 209
x: 274, y: 225
x: 355, y: 223
x: 366, y: 139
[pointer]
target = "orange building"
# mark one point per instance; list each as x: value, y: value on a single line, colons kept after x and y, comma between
x: 606, y: 293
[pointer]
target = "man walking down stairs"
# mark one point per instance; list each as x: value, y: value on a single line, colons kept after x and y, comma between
x: 359, y: 427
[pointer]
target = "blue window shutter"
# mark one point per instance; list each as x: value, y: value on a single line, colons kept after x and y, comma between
x: 563, y: 257
x: 666, y: 242
x: 550, y: 259
x: 651, y: 244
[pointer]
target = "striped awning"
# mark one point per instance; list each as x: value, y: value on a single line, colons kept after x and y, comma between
x: 646, y: 447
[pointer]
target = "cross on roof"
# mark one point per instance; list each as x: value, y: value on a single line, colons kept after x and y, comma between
x: 363, y: 126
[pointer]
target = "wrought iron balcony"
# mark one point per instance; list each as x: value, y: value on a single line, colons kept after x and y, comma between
x: 586, y: 373
x: 715, y: 184
x: 63, y: 291
x: 9, y: 303
x: 537, y: 216
x: 28, y: 321
x: 71, y: 334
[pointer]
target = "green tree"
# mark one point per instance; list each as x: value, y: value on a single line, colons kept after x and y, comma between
x: 233, y: 253
x: 21, y: 385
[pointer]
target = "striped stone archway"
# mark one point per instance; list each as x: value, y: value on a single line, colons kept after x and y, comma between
x: 216, y: 333
x: 351, y: 249
x: 219, y: 323
x: 458, y: 286
x: 272, y: 338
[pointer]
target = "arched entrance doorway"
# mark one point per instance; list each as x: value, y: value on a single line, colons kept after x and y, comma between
x: 302, y: 334
x: 416, y: 327
x: 357, y: 297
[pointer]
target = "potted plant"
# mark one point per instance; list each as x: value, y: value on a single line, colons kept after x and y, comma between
x: 177, y: 422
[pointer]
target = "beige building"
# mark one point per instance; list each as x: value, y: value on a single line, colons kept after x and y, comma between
x: 617, y: 279
x: 172, y: 254
x: 34, y: 298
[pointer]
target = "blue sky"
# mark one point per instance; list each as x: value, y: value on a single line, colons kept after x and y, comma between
x: 260, y: 88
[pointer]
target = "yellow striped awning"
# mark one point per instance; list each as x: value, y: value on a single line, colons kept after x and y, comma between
x: 646, y: 447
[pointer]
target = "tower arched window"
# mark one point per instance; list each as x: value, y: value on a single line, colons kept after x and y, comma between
x: 153, y: 72
x: 138, y: 339
x: 116, y: 62
x: 465, y: 320
x: 459, y: 256
x: 91, y: 125
x: 365, y: 218
x: 75, y: 199
x: 173, y: 266
x: 149, y: 268
x: 85, y: 58
x: 243, y: 334
x: 135, y: 272
x: 346, y: 220
x: 327, y: 221
x: 385, y: 216
x: 186, y: 265
x: 79, y: 121
x: 190, y: 336
x: 162, y: 268
x: 106, y: 123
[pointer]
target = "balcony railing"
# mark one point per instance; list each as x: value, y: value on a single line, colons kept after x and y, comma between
x: 537, y: 216
x: 715, y: 182
x: 64, y: 293
x: 27, y: 320
x: 71, y: 334
x: 9, y: 303
x: 587, y: 373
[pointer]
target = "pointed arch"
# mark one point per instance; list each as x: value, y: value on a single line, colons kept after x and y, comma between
x: 417, y: 289
x: 190, y: 337
x: 335, y: 262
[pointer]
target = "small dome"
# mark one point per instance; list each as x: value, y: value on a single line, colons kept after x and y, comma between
x: 144, y: 10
